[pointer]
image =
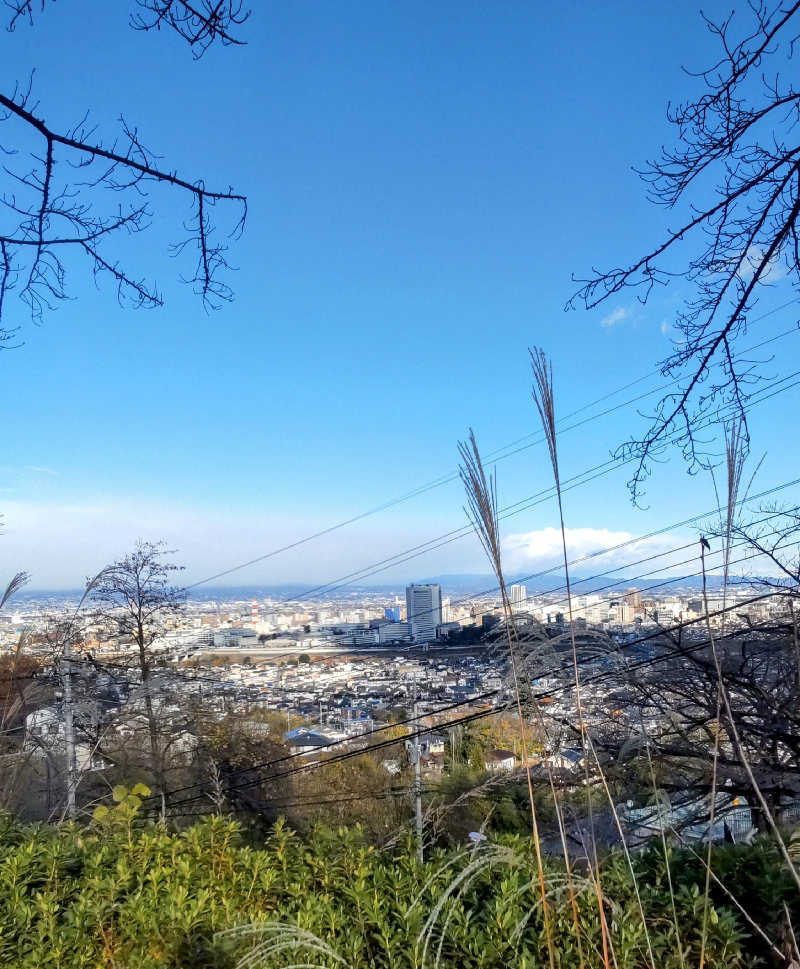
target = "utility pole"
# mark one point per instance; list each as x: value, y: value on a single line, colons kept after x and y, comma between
x: 69, y: 728
x: 418, y: 800
x: 418, y: 788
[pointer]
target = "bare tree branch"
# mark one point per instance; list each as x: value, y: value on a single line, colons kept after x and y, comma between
x: 66, y: 192
x: 736, y: 167
x: 200, y: 24
x: 76, y: 194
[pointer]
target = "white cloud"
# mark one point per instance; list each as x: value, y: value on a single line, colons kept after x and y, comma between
x: 666, y: 327
x: 618, y: 315
x: 540, y: 549
x: 772, y: 273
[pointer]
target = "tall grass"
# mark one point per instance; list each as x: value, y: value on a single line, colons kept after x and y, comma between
x: 733, y: 730
x: 481, y: 508
x: 544, y: 399
x: 735, y: 458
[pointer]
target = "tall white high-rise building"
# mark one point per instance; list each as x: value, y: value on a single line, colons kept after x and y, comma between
x: 424, y: 610
x: 519, y: 595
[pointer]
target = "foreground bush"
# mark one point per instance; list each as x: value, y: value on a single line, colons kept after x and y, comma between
x: 115, y: 896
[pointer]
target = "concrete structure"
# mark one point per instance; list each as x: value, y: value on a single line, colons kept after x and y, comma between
x: 392, y: 632
x: 236, y: 637
x: 518, y: 595
x: 424, y: 611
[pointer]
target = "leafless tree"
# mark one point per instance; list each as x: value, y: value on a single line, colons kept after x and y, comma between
x: 774, y: 536
x: 70, y: 192
x: 200, y: 24
x: 735, y: 174
x: 673, y: 707
x: 135, y: 596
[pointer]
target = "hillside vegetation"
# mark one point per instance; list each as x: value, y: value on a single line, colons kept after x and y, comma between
x: 125, y: 896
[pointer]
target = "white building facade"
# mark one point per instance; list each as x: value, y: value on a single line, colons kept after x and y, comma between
x: 424, y: 611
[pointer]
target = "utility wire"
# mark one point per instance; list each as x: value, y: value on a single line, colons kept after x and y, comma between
x: 683, y: 650
x: 493, y: 456
x: 524, y: 504
x: 613, y: 548
x: 43, y: 675
x: 599, y: 677
x: 486, y: 696
x: 454, y: 706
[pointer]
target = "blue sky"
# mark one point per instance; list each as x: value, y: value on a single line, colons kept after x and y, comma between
x: 422, y: 181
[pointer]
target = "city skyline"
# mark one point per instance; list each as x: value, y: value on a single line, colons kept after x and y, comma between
x: 399, y: 517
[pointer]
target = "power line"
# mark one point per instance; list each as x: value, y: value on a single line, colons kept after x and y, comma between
x: 316, y: 802
x: 613, y: 548
x: 172, y: 672
x: 525, y: 504
x: 496, y: 455
x: 369, y: 733
x: 492, y: 693
x: 540, y: 438
x: 547, y: 693
x: 43, y: 674
x: 189, y: 677
x: 472, y: 701
x: 626, y: 580
x: 678, y: 652
x: 486, y: 696
x: 480, y: 714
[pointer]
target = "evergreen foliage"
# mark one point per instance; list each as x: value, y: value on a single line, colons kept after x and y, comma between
x: 132, y: 897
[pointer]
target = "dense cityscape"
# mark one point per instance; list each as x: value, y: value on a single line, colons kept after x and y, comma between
x: 334, y: 668
x: 399, y: 526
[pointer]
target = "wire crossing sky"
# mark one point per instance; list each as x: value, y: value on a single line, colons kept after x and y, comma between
x: 422, y: 184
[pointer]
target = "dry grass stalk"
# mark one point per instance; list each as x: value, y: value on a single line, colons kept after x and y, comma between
x: 667, y: 865
x: 19, y: 580
x: 626, y: 852
x: 524, y: 670
x: 735, y: 457
x: 734, y: 732
x: 282, y: 940
x: 482, y: 511
x: 751, y: 921
x: 796, y: 641
x: 11, y: 707
x: 544, y: 399
x: 714, y: 769
x: 482, y: 858
x: 793, y: 938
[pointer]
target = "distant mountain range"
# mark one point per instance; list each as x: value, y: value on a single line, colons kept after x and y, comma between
x: 452, y: 585
x: 455, y: 585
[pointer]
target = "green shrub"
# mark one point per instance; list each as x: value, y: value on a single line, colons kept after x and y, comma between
x: 133, y: 897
